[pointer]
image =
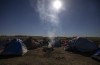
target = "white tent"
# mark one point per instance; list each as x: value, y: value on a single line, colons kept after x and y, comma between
x: 82, y: 45
x: 15, y: 47
x: 96, y: 55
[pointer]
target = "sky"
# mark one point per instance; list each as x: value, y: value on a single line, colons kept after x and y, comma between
x: 23, y: 17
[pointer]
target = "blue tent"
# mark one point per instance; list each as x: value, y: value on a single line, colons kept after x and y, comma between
x: 15, y: 47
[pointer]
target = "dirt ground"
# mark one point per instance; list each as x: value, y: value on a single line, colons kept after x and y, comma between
x: 57, y: 57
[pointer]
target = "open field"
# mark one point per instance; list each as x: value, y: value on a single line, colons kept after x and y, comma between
x: 57, y: 57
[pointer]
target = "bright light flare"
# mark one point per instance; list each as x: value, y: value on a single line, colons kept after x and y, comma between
x: 57, y: 4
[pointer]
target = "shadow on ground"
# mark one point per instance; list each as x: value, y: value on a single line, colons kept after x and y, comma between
x: 8, y: 56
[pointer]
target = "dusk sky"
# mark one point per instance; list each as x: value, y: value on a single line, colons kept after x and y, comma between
x: 76, y: 18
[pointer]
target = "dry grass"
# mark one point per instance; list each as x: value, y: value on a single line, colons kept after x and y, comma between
x: 57, y: 57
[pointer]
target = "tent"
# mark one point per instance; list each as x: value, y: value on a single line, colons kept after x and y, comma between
x: 96, y: 55
x: 2, y: 45
x: 31, y: 43
x: 45, y: 42
x: 15, y: 47
x: 82, y: 45
x: 57, y: 43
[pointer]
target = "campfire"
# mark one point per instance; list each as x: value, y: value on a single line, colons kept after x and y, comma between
x: 48, y: 50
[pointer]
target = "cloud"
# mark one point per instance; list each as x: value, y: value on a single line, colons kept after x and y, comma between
x: 46, y: 13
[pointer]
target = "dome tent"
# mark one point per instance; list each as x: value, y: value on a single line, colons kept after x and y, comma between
x: 15, y: 47
x: 82, y: 45
x: 96, y: 55
x: 57, y: 43
x: 31, y: 43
